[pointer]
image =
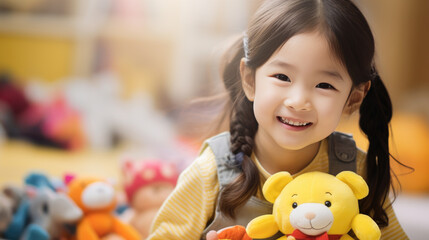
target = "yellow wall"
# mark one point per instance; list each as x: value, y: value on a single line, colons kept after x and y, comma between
x: 28, y: 56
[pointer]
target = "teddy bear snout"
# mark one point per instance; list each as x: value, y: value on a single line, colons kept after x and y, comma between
x: 311, y: 218
x: 310, y: 215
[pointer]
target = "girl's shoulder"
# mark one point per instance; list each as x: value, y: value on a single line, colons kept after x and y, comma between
x: 203, y: 170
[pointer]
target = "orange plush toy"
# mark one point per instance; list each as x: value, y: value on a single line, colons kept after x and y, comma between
x: 96, y: 198
x: 236, y: 232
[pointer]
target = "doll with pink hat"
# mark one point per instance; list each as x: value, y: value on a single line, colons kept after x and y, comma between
x: 147, y: 184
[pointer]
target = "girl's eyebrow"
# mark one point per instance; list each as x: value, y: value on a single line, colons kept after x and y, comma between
x: 280, y: 63
x: 329, y: 73
x: 334, y: 74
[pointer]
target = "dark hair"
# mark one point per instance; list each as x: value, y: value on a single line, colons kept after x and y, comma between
x: 350, y: 38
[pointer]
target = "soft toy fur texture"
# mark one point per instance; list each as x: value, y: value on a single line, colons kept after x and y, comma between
x: 49, y: 213
x: 236, y: 232
x: 20, y: 206
x: 315, y: 205
x: 10, y: 197
x: 96, y: 198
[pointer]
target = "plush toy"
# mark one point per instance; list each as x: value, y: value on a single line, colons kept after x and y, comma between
x: 38, y: 180
x: 10, y: 198
x: 147, y: 184
x: 96, y: 198
x: 20, y: 212
x: 315, y: 205
x: 230, y: 233
x: 50, y: 214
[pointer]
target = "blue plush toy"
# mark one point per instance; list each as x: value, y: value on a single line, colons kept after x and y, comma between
x: 42, y: 213
x: 19, y: 219
x: 49, y: 213
x: 39, y: 180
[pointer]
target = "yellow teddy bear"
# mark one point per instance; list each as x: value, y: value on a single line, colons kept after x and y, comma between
x: 315, y: 205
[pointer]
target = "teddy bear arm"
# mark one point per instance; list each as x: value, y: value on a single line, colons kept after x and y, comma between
x: 125, y: 230
x: 262, y: 227
x: 85, y: 231
x: 365, y: 228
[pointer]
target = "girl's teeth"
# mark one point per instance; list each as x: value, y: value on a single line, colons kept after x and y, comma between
x: 290, y: 122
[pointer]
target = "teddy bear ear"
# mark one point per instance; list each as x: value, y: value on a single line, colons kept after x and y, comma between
x: 355, y: 182
x: 275, y: 184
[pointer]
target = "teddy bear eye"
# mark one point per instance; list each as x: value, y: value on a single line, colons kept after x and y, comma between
x: 328, y: 203
x: 294, y: 205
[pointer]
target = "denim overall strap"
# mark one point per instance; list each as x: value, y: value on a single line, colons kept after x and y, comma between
x: 342, y: 153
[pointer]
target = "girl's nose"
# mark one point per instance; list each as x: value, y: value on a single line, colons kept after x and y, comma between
x: 298, y: 100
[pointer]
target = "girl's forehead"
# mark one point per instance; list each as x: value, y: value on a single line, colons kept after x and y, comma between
x: 307, y: 49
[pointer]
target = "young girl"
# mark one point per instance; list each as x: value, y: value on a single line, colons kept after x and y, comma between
x: 301, y: 65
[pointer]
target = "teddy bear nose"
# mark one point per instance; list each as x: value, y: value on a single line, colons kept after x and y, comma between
x: 310, y: 215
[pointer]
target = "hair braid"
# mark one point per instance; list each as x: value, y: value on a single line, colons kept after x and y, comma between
x: 243, y: 129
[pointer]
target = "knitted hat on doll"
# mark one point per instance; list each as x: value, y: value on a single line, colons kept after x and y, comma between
x: 138, y: 174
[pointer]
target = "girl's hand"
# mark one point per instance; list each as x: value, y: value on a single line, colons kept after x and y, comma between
x: 112, y: 237
x: 212, y: 235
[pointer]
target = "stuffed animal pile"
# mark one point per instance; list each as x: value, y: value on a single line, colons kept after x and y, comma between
x: 37, y: 211
x: 44, y: 209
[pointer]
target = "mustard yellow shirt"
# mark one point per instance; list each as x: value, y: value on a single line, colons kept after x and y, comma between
x: 185, y: 213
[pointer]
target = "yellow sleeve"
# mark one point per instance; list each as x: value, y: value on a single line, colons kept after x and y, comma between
x: 186, y: 211
x: 394, y: 231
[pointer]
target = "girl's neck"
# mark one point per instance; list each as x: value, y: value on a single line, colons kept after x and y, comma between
x: 280, y: 159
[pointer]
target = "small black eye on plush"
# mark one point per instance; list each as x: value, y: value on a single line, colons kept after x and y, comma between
x: 294, y: 205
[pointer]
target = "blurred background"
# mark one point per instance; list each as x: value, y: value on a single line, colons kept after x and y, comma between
x: 85, y: 84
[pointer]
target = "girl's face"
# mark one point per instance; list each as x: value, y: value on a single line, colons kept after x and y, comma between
x: 299, y: 94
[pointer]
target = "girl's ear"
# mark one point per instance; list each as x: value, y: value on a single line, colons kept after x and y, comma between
x: 356, y: 97
x: 247, y: 80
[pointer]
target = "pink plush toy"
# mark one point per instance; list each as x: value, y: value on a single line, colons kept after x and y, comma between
x: 147, y: 184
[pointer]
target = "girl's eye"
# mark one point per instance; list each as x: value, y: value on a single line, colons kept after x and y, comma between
x: 325, y: 86
x: 282, y: 77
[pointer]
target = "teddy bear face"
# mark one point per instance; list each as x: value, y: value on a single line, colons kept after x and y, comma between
x: 315, y: 203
